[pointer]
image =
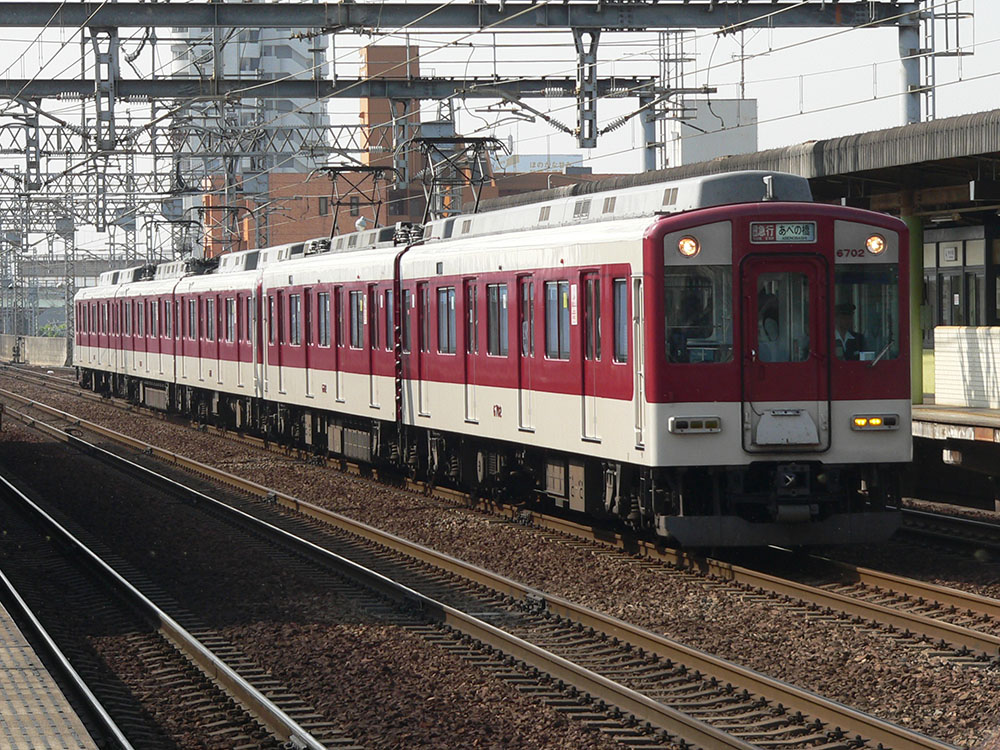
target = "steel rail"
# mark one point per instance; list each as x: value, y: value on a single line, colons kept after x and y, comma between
x: 829, y: 712
x: 966, y: 528
x: 641, y: 706
x: 14, y: 600
x: 253, y: 700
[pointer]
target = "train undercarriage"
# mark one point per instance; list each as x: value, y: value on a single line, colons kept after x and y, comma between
x: 791, y: 503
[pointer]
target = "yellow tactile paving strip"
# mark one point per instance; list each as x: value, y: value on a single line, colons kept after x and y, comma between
x: 34, y: 714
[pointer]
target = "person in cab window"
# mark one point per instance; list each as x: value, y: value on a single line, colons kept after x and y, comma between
x: 848, y: 343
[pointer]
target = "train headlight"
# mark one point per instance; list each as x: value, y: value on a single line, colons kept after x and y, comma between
x: 875, y: 422
x: 688, y: 247
x: 875, y: 244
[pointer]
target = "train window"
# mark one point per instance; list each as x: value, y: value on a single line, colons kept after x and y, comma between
x: 373, y: 316
x: 698, y: 318
x: 425, y: 317
x: 404, y: 315
x: 471, y: 318
x: 192, y: 319
x: 446, y: 319
x: 357, y: 306
x: 783, y: 317
x: 619, y: 288
x: 154, y: 318
x: 527, y: 318
x: 496, y: 319
x: 323, y: 303
x: 210, y: 320
x: 168, y: 322
x: 609, y: 205
x: 592, y: 317
x: 270, y: 319
x: 295, y: 319
x: 338, y: 305
x: 557, y: 319
x: 866, y: 311
x: 390, y: 322
x: 230, y: 319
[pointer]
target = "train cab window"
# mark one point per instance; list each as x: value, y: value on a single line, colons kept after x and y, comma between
x: 357, y: 307
x: 323, y: 303
x: 295, y: 319
x: 698, y: 318
x: 619, y: 293
x: 446, y: 319
x: 866, y: 312
x: 783, y: 317
x: 210, y: 320
x: 496, y: 320
x: 230, y: 319
x: 404, y: 318
x: 557, y: 319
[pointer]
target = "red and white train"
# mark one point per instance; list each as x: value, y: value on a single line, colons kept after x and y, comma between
x: 718, y: 360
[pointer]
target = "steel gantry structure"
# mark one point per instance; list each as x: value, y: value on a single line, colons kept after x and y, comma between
x: 86, y: 174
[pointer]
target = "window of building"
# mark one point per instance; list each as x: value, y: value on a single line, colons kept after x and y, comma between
x: 619, y: 288
x: 355, y: 205
x: 357, y: 305
x: 324, y: 205
x: 295, y: 319
x: 557, y: 319
x: 230, y: 319
x: 446, y: 319
x: 210, y: 320
x: 323, y: 303
x: 496, y: 320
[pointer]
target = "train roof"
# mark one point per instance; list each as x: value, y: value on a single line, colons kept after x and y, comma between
x: 574, y: 206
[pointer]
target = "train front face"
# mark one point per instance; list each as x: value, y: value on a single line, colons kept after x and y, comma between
x: 779, y: 374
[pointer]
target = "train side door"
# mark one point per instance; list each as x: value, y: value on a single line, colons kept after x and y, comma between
x: 471, y: 347
x: 639, y: 363
x: 373, y: 330
x: 338, y: 343
x: 590, y: 302
x: 786, y: 400
x: 307, y: 306
x: 526, y: 350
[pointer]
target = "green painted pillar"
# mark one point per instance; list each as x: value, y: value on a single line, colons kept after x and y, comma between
x: 916, y: 227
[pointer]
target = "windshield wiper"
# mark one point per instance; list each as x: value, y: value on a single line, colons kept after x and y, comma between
x: 881, y: 353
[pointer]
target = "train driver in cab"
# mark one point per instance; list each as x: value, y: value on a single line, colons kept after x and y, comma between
x: 848, y: 342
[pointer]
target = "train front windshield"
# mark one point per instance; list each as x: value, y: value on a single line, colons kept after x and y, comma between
x: 699, y: 314
x: 866, y: 312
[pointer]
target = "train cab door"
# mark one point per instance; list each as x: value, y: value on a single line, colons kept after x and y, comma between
x: 525, y: 351
x: 471, y: 299
x: 786, y: 398
x: 590, y: 307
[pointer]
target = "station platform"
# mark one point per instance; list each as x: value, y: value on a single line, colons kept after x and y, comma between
x: 938, y: 422
x: 34, y: 713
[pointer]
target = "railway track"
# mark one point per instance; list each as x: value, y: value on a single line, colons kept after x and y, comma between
x: 174, y: 660
x: 644, y: 677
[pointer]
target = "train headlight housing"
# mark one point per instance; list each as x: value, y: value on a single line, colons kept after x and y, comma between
x: 875, y: 244
x: 875, y: 422
x: 688, y: 246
